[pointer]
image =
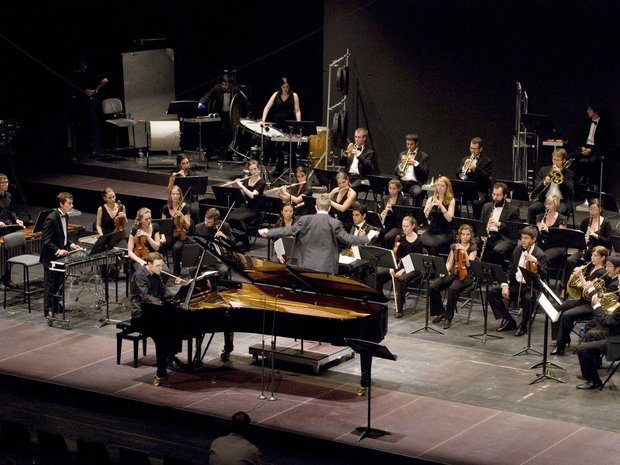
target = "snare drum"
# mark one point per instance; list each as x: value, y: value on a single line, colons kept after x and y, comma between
x: 249, y: 134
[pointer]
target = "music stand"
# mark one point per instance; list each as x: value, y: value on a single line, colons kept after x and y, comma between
x: 530, y: 278
x: 487, y: 273
x: 465, y: 191
x: 297, y: 130
x: 379, y: 184
x: 545, y: 297
x: 110, y: 240
x: 196, y: 185
x: 377, y: 256
x: 607, y: 201
x: 480, y: 229
x: 428, y: 264
x: 367, y: 350
x: 517, y: 190
x: 513, y: 229
x: 326, y: 178
x: 374, y: 220
x: 166, y: 225
x: 309, y: 204
x: 38, y: 225
x: 566, y: 238
x: 228, y: 195
x: 268, y: 205
x: 183, y: 108
x: 400, y: 211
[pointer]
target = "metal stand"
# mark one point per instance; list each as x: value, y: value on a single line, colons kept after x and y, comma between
x: 427, y: 263
x: 545, y: 364
x: 483, y: 274
x: 528, y: 347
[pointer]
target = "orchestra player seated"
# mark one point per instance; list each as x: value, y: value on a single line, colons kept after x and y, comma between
x: 212, y: 228
x: 499, y: 242
x: 412, y: 169
x: 550, y: 219
x: 439, y: 210
x: 459, y: 276
x: 555, y: 180
x: 529, y: 256
x: 391, y: 225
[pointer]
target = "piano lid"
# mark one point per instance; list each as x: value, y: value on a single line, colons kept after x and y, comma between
x: 269, y: 273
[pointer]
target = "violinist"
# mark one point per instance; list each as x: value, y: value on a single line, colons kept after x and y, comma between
x: 406, y: 243
x: 575, y: 309
x: 459, y: 276
x: 303, y: 187
x: 251, y: 187
x: 439, y: 210
x: 597, y: 231
x: 178, y: 210
x: 183, y: 169
x: 342, y: 197
x: 388, y: 217
x: 143, y: 239
x: 213, y: 227
x: 110, y: 214
x: 412, y: 169
x: 527, y: 255
x: 550, y: 219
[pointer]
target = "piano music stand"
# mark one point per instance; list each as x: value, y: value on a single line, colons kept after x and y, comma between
x: 545, y: 297
x: 196, y: 185
x: 464, y: 191
x: 378, y: 256
x: 367, y: 350
x: 486, y: 273
x: 428, y: 264
x: 405, y: 210
x: 228, y: 195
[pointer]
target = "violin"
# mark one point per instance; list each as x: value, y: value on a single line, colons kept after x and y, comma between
x: 179, y: 227
x: 396, y: 246
x: 141, y: 246
x: 461, y: 264
x: 120, y: 221
x: 531, y: 266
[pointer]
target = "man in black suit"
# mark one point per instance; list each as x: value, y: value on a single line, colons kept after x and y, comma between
x: 55, y: 245
x: 359, y: 161
x: 526, y: 255
x: 412, y: 169
x: 595, y: 139
x: 545, y: 187
x: 500, y: 239
x: 477, y: 168
x: 317, y: 237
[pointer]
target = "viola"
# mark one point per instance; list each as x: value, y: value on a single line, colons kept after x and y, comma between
x: 179, y: 227
x: 120, y: 221
x: 141, y: 246
x: 461, y: 264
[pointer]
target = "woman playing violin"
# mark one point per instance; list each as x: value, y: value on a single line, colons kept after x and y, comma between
x: 183, y: 169
x: 342, y: 198
x: 406, y: 243
x: 388, y: 217
x: 143, y: 239
x: 251, y: 187
x: 459, y: 276
x: 439, y: 210
x: 110, y: 214
x: 177, y: 210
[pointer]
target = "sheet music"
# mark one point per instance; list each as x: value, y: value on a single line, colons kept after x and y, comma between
x: 345, y: 259
x: 356, y: 252
x: 549, y: 292
x: 548, y: 307
x: 278, y: 246
x: 407, y: 263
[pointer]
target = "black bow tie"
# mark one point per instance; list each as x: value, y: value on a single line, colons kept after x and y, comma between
x: 594, y: 123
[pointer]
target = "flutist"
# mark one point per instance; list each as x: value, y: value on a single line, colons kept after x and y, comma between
x: 342, y: 198
x: 359, y: 161
x: 477, y: 168
x: 412, y: 169
x: 555, y: 180
x: 390, y: 222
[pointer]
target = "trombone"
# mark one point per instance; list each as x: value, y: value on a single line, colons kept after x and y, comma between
x: 557, y: 177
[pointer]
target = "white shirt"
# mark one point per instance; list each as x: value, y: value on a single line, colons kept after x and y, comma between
x: 593, y: 125
x: 495, y: 214
x: 354, y: 168
x: 410, y: 171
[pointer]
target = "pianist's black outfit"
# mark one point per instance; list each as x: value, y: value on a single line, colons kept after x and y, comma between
x: 149, y: 287
x: 55, y: 237
x: 7, y: 216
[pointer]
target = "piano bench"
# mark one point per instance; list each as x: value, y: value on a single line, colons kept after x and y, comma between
x: 129, y: 333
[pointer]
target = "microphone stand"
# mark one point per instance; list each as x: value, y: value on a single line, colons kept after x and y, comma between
x: 273, y: 347
x: 262, y: 361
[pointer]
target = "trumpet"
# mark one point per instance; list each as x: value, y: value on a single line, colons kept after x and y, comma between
x: 402, y: 167
x: 465, y: 168
x: 351, y: 149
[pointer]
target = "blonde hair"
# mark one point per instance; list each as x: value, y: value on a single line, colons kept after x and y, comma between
x: 143, y: 211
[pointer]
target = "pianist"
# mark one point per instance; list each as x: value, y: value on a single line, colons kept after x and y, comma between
x: 317, y: 237
x: 55, y: 245
x: 148, y: 286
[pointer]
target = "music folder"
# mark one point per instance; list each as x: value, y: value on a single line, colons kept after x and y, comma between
x: 38, y: 225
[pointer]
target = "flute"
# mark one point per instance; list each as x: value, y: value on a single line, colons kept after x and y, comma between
x: 234, y: 181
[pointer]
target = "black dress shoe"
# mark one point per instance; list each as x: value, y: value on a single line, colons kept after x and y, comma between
x: 439, y: 318
x: 447, y: 324
x: 507, y: 325
x: 520, y: 332
x: 590, y: 385
x: 557, y: 351
x: 398, y: 315
x: 11, y: 285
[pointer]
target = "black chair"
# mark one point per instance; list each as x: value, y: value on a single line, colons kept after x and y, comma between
x: 15, y: 248
x: 52, y: 449
x: 613, y: 355
x: 113, y: 111
x: 133, y: 334
x: 92, y: 453
x: 128, y: 456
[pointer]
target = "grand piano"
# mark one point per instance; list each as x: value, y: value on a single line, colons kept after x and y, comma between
x: 274, y: 299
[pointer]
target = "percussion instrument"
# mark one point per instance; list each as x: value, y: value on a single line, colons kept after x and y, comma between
x: 318, y: 148
x: 248, y: 134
